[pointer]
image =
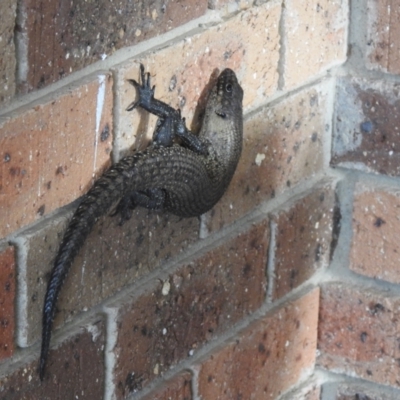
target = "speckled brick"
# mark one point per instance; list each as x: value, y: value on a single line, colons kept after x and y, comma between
x: 283, y: 146
x: 315, y: 38
x: 383, y: 31
x: 267, y: 358
x: 65, y: 37
x: 248, y: 43
x: 359, y: 333
x: 75, y: 370
x: 307, y: 391
x: 304, y: 234
x: 177, y: 388
x: 7, y: 50
x: 169, y: 322
x: 111, y: 258
x: 360, y: 392
x: 374, y: 247
x: 7, y: 301
x: 50, y: 153
x: 366, y: 132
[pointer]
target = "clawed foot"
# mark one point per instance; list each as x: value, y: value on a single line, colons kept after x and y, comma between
x: 124, y: 210
x: 146, y: 92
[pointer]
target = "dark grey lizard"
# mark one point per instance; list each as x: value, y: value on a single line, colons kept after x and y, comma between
x: 186, y: 179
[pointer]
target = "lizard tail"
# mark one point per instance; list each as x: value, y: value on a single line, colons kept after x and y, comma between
x: 99, y: 199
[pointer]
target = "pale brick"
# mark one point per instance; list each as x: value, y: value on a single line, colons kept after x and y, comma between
x: 51, y: 152
x: 376, y: 231
x: 383, y: 31
x: 283, y: 146
x: 267, y: 358
x: 366, y: 133
x: 315, y: 38
x: 248, y: 43
x: 359, y: 333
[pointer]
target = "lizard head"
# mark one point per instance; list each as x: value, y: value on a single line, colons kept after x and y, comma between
x: 223, y: 118
x: 222, y: 125
x: 227, y: 95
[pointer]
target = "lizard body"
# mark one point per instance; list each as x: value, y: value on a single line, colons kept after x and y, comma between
x: 186, y: 180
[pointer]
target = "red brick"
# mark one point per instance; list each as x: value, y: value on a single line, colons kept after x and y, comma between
x: 208, y: 296
x: 248, y: 43
x: 358, y: 391
x: 50, y: 153
x: 283, y: 145
x: 315, y: 38
x: 7, y: 301
x: 359, y: 333
x: 111, y: 258
x: 7, y: 50
x: 75, y: 371
x: 267, y: 358
x: 65, y: 37
x: 383, y: 30
x: 177, y: 388
x: 374, y: 247
x: 304, y: 234
x: 367, y: 126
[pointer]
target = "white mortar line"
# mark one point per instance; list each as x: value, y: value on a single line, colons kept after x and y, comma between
x: 99, y: 112
x: 21, y: 304
x: 109, y: 355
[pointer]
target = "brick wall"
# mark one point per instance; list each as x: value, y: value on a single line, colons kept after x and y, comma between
x: 290, y: 287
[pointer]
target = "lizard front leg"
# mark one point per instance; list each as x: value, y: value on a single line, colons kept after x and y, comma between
x: 170, y: 123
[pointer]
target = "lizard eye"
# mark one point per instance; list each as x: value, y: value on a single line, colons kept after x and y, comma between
x: 221, y: 114
x: 228, y: 87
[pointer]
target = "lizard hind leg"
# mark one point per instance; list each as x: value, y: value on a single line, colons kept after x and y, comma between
x: 152, y: 199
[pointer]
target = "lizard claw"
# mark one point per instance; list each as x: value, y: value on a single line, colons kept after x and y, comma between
x: 145, y: 91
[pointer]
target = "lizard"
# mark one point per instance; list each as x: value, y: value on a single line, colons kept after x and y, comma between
x: 186, y: 178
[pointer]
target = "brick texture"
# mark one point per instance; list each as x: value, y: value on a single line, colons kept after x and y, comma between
x: 166, y: 324
x: 283, y: 145
x: 188, y: 65
x: 267, y: 358
x: 7, y: 50
x: 111, y: 258
x: 367, y: 126
x: 178, y: 388
x: 65, y: 37
x: 358, y: 392
x: 50, y: 153
x: 374, y: 248
x: 309, y: 391
x: 304, y: 234
x: 75, y: 370
x: 358, y: 333
x: 315, y: 38
x: 7, y: 301
x: 383, y: 48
